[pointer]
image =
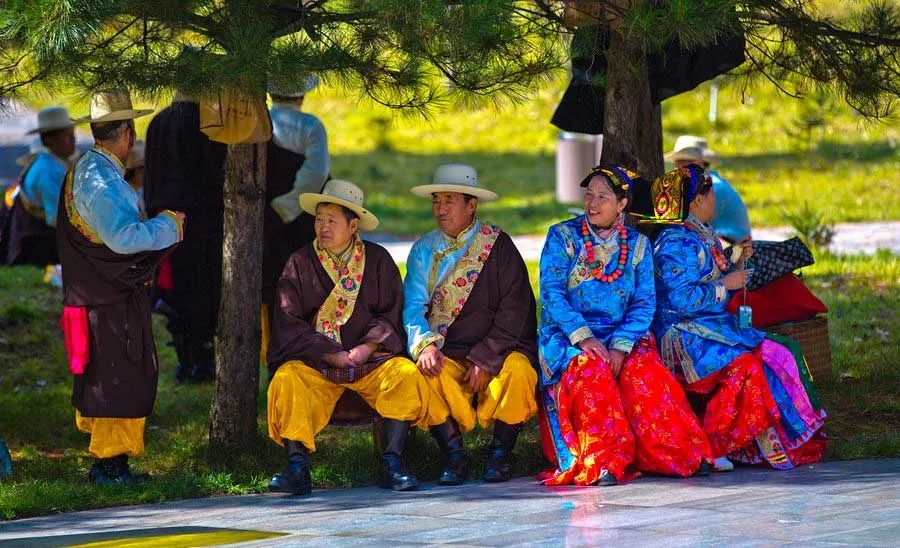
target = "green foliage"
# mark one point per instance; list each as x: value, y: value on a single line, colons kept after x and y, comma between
x: 811, y: 227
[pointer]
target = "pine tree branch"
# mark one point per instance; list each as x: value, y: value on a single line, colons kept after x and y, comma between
x: 810, y: 26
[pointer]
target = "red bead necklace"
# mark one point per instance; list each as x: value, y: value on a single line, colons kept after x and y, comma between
x: 719, y: 257
x: 592, y: 263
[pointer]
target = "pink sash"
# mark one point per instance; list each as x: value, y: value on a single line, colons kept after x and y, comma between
x: 74, y: 323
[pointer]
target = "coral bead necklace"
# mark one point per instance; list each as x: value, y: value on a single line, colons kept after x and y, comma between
x: 594, y: 266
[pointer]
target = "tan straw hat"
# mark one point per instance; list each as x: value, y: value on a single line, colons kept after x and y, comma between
x: 455, y: 178
x: 341, y: 192
x: 112, y: 106
x: 51, y: 119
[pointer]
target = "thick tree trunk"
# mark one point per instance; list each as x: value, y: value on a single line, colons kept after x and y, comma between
x: 233, y: 414
x: 632, y: 124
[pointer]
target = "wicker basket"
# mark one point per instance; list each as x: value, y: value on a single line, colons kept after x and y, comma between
x: 812, y: 334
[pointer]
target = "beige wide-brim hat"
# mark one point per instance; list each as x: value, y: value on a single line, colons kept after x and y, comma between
x: 684, y: 142
x: 692, y: 154
x: 112, y: 106
x: 341, y: 192
x: 455, y: 178
x: 51, y: 119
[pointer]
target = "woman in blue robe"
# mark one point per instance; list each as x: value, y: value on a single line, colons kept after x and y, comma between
x: 758, y: 407
x: 610, y: 409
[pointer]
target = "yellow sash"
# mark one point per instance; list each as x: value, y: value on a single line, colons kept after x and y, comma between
x: 450, y: 295
x: 339, y: 305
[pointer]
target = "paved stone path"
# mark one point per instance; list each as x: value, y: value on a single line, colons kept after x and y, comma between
x: 836, y: 503
x: 849, y: 238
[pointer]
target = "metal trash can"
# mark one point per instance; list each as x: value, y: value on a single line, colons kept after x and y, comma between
x: 576, y: 154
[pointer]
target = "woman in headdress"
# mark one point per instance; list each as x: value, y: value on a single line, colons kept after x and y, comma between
x: 761, y: 406
x: 610, y: 409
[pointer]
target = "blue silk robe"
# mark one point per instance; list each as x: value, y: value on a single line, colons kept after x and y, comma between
x: 576, y: 306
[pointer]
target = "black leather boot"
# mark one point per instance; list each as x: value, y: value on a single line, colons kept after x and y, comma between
x: 449, y: 439
x: 498, y: 467
x: 392, y: 473
x: 114, y: 470
x: 295, y: 479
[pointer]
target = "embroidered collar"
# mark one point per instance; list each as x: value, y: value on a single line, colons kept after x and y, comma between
x: 605, y: 235
x: 705, y: 231
x: 342, y: 257
x: 120, y: 167
x: 452, y: 244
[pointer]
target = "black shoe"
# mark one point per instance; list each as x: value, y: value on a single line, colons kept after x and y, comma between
x: 449, y: 439
x: 295, y: 479
x: 114, y: 470
x: 704, y: 469
x: 392, y: 473
x: 607, y: 479
x: 203, y: 358
x: 498, y: 466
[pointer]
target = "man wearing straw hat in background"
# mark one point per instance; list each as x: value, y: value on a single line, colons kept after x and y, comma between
x: 338, y: 326
x: 730, y: 219
x: 30, y: 234
x: 109, y: 254
x: 471, y: 322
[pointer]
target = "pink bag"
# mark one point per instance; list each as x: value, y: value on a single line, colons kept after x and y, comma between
x: 74, y: 323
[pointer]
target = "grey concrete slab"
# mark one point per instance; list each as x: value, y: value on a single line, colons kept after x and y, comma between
x: 831, y: 504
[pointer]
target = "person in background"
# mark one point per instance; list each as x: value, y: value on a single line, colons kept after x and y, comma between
x: 30, y: 234
x: 185, y: 171
x: 730, y: 218
x: 109, y: 255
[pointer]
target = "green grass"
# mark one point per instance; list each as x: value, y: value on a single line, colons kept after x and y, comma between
x: 51, y: 461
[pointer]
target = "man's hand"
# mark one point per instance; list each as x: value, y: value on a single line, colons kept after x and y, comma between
x: 477, y: 379
x: 361, y: 354
x: 431, y: 361
x: 286, y: 206
x: 341, y: 360
x: 594, y: 348
x: 616, y: 361
x: 735, y: 280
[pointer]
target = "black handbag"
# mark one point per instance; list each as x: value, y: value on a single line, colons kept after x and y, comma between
x: 772, y: 260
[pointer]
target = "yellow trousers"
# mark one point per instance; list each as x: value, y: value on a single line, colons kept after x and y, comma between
x: 301, y: 400
x: 509, y: 397
x: 111, y: 437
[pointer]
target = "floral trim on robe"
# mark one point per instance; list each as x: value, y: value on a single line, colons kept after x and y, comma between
x: 347, y: 278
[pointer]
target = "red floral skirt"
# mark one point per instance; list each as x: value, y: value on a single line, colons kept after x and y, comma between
x: 641, y: 422
x: 739, y: 404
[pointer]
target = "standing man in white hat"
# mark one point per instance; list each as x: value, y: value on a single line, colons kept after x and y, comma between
x: 338, y: 327
x: 471, y: 323
x: 730, y: 218
x: 31, y: 236
x: 109, y: 254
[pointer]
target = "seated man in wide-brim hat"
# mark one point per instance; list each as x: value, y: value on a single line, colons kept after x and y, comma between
x: 337, y: 326
x: 471, y: 322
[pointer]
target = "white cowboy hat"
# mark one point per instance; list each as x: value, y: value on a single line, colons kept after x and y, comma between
x: 112, y: 106
x: 691, y: 141
x: 51, y: 119
x: 307, y: 84
x: 455, y: 178
x: 341, y: 192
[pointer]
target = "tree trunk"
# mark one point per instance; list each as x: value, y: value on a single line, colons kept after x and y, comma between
x: 632, y: 124
x: 233, y: 414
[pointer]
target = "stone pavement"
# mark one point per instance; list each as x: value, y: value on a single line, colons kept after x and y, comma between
x: 849, y: 238
x: 835, y: 503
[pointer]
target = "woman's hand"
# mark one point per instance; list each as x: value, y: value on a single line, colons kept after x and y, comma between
x: 735, y: 280
x: 594, y: 348
x: 746, y: 248
x: 616, y: 361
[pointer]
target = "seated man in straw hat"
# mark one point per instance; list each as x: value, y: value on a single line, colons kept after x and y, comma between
x: 31, y: 232
x: 730, y: 219
x: 470, y: 318
x: 337, y: 327
x: 108, y: 254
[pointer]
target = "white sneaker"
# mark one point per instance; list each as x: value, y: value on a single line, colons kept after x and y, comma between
x: 722, y: 464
